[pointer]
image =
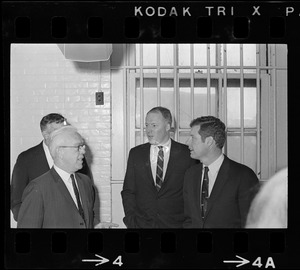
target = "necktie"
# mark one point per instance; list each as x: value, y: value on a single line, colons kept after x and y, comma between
x: 204, y: 192
x: 80, y: 209
x: 159, y: 168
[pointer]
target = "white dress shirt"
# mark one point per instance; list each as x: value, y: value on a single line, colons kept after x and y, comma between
x: 153, y: 157
x: 66, y: 177
x: 213, y: 172
x: 48, y: 155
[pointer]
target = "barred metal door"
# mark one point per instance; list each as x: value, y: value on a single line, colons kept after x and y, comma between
x: 225, y: 87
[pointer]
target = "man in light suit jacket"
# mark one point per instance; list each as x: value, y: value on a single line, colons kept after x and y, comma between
x: 35, y: 161
x: 152, y: 195
x: 54, y: 199
x: 231, y: 185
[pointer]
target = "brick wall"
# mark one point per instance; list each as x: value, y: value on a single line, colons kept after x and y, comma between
x: 42, y: 82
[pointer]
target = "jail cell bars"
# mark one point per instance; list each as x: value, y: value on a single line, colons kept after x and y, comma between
x: 192, y: 80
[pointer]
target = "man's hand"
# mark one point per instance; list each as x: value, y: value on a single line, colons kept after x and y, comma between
x: 105, y: 225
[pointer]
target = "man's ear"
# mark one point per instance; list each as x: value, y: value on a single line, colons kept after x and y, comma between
x: 209, y: 140
x: 45, y: 134
x: 168, y: 128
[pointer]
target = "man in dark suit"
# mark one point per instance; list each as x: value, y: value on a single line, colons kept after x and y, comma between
x: 152, y: 189
x: 61, y: 197
x: 218, y: 191
x: 36, y: 161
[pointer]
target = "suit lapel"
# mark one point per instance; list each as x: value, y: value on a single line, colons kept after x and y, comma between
x: 63, y: 189
x: 145, y: 159
x: 172, y: 160
x: 41, y: 155
x: 83, y: 197
x: 221, y: 179
x: 196, y: 186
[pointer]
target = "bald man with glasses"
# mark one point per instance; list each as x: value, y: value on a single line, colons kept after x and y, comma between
x: 36, y: 160
x: 62, y: 197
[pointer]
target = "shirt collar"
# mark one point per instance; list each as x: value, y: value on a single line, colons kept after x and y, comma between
x: 65, y: 176
x: 154, y: 151
x: 215, y: 166
x: 166, y: 147
x: 46, y: 148
x: 167, y: 144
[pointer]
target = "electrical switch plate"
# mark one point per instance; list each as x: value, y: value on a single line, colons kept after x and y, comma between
x: 99, y: 98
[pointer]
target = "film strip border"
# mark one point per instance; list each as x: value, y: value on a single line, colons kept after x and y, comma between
x: 151, y: 21
x: 149, y: 249
x: 137, y: 22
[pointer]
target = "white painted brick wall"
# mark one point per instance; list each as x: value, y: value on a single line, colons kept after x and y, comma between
x: 42, y: 82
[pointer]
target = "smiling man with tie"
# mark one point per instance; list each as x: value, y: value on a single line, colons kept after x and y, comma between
x: 218, y: 191
x: 37, y: 160
x: 61, y: 197
x: 152, y: 189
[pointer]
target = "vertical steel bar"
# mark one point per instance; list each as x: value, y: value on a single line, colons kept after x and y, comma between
x: 158, y: 74
x: 225, y: 92
x: 132, y: 88
x: 242, y: 145
x: 208, y: 97
x: 258, y: 123
x: 219, y: 91
x: 192, y: 81
x: 126, y: 112
x: 141, y: 94
x: 274, y: 111
x: 176, y: 115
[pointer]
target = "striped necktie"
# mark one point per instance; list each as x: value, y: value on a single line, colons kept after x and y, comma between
x: 204, y: 192
x: 80, y: 209
x: 160, y: 168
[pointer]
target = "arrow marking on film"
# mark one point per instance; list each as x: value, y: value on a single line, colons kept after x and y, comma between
x: 99, y: 261
x: 242, y: 262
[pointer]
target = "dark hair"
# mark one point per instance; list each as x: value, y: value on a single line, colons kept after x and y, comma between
x: 165, y: 113
x: 51, y: 118
x: 211, y: 126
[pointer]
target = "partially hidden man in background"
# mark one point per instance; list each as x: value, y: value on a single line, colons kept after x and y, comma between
x: 61, y: 197
x: 218, y: 191
x: 35, y: 161
x: 153, y: 184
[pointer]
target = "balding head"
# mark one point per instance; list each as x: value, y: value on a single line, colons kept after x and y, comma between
x: 67, y: 149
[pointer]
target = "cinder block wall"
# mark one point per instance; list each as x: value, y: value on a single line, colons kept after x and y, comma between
x: 42, y: 82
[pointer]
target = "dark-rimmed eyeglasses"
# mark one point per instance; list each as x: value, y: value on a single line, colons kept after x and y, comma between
x: 81, y: 146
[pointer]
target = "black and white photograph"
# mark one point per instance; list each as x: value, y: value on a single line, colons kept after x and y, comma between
x: 150, y: 134
x: 221, y: 107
